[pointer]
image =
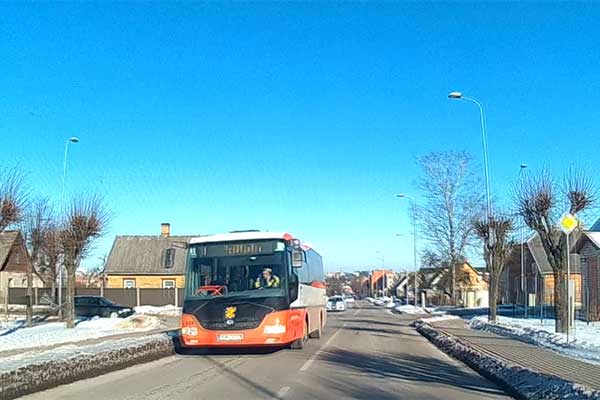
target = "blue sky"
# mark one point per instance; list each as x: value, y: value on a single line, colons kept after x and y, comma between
x: 296, y: 117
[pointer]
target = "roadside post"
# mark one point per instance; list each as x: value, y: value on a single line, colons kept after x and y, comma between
x: 568, y: 223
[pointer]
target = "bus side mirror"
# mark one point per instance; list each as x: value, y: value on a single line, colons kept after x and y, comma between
x: 297, y: 258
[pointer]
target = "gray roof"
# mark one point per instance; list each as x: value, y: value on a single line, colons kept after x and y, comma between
x: 539, y: 254
x: 7, y: 240
x: 143, y: 255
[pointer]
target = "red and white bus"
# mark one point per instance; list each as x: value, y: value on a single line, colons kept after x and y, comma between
x: 252, y: 288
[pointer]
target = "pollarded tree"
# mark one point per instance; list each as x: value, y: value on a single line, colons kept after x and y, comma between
x: 541, y: 202
x: 85, y: 221
x: 497, y: 248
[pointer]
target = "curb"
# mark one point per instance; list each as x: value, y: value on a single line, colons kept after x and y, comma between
x: 519, y: 382
x: 45, y: 375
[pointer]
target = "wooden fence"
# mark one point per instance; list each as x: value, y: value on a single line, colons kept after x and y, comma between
x: 126, y: 297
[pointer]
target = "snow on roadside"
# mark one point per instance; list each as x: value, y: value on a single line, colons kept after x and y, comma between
x: 13, y: 362
x: 5, y: 327
x: 168, y: 310
x: 410, y: 309
x: 584, y: 341
x: 439, y: 318
x: 55, y: 332
x: 526, y: 383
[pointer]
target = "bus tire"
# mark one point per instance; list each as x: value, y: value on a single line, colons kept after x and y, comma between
x: 299, y: 344
x: 317, y: 333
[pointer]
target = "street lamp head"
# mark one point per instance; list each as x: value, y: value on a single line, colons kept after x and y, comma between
x: 401, y: 195
x: 455, y: 95
x: 523, y: 166
x: 74, y: 139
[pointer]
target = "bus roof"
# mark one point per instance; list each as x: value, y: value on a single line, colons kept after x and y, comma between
x: 235, y: 236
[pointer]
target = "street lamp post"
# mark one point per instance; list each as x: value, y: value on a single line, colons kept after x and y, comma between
x: 492, y: 234
x: 523, y: 291
x: 414, y: 222
x: 459, y: 96
x: 74, y: 140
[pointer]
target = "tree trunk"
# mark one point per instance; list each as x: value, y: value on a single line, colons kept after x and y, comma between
x: 54, y: 294
x: 70, y: 298
x: 29, y: 306
x: 493, y: 296
x: 453, y: 288
x: 561, y: 302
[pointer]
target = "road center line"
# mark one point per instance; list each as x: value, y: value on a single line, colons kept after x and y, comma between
x: 308, y: 362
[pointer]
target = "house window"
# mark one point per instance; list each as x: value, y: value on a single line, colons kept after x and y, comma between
x: 169, y: 258
x: 129, y: 283
x: 168, y: 283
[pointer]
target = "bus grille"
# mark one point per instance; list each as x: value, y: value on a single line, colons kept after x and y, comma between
x: 222, y: 326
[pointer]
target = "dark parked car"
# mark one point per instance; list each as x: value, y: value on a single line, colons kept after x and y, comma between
x: 91, y: 306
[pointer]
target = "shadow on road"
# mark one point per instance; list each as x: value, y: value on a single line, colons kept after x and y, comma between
x: 406, y: 367
x: 237, y: 378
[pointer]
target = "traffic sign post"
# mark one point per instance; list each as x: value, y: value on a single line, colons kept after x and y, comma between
x: 568, y: 223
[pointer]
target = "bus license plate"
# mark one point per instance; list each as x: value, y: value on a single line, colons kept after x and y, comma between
x: 230, y: 337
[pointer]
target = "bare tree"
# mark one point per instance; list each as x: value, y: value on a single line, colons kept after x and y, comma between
x: 51, y: 251
x: 85, y: 220
x: 37, y: 223
x: 540, y: 207
x: 498, y: 247
x: 452, y: 198
x: 13, y: 198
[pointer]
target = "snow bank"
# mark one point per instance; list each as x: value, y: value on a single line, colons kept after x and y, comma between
x: 169, y: 310
x: 439, y: 318
x: 31, y: 372
x: 410, y: 309
x: 584, y: 341
x: 520, y: 382
x: 55, y: 332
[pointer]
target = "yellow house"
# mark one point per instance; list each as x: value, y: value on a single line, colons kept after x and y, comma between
x: 471, y: 286
x: 147, y: 261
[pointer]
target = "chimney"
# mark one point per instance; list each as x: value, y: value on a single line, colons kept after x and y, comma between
x: 165, y: 229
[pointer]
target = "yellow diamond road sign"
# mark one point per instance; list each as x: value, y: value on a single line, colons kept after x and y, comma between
x: 568, y: 222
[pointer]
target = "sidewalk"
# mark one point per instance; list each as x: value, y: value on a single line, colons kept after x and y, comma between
x: 517, y: 353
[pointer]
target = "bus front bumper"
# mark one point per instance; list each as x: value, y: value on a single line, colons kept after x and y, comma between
x: 278, y: 328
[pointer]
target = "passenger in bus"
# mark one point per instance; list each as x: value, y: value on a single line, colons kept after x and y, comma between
x: 267, y: 280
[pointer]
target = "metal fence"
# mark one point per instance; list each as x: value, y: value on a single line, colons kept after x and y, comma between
x: 126, y: 297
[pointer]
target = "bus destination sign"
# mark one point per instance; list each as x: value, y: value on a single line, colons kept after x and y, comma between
x: 237, y: 249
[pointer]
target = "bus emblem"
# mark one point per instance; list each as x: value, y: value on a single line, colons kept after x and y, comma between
x: 230, y: 312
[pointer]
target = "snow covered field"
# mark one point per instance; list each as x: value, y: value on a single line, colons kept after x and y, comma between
x: 55, y: 333
x: 584, y: 340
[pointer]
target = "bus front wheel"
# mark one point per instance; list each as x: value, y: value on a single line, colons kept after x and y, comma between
x: 299, y: 344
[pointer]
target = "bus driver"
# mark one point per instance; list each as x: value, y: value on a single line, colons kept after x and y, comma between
x: 267, y: 280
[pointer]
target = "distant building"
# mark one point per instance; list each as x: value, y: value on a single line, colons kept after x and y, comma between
x: 15, y: 263
x: 472, y: 289
x: 381, y: 279
x: 147, y: 261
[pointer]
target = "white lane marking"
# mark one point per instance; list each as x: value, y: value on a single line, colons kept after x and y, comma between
x: 308, y: 362
x: 283, y: 391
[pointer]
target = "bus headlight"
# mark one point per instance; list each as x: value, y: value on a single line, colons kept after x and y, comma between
x: 274, y: 329
x: 189, y: 331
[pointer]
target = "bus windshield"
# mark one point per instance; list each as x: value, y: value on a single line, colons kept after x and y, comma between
x: 253, y: 276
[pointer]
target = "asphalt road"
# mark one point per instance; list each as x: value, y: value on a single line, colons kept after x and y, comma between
x: 365, y: 353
